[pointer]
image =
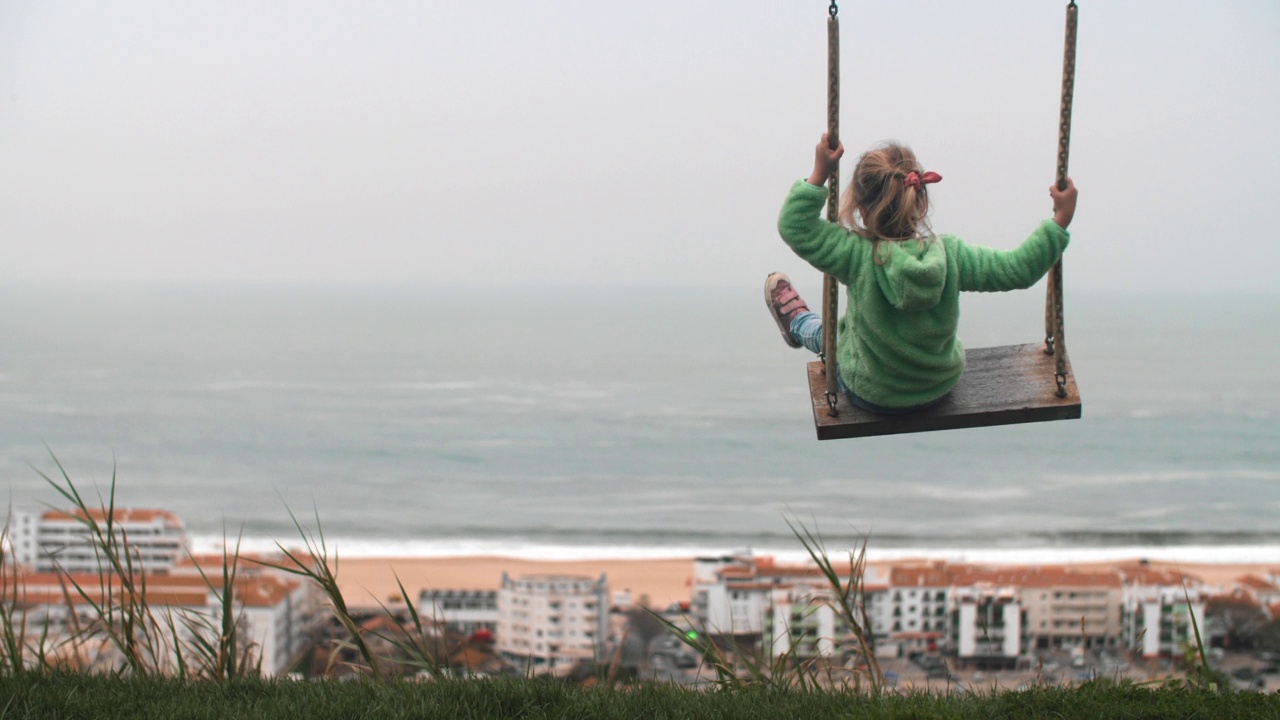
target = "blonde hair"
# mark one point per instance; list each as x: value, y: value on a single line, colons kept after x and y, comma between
x: 879, y: 205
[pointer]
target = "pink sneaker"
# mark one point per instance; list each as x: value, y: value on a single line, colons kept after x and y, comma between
x: 784, y: 304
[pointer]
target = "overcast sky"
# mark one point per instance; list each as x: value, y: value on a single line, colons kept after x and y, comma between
x: 648, y: 142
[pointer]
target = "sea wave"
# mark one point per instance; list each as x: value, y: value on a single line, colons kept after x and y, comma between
x: 1165, y: 476
x: 433, y: 386
x: 1207, y: 552
x: 287, y: 385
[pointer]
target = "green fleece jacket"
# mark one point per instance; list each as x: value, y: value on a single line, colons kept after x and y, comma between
x: 896, y: 344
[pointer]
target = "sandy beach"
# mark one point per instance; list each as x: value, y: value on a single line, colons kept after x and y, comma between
x: 663, y: 580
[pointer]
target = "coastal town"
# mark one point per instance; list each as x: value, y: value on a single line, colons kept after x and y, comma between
x: 919, y: 623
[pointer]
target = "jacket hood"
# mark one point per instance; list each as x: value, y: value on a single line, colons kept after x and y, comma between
x: 913, y: 277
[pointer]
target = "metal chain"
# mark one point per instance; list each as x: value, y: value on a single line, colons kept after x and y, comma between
x: 833, y: 9
x: 830, y: 286
x: 1055, y: 330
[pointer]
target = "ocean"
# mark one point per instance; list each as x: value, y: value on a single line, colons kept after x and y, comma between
x: 599, y: 422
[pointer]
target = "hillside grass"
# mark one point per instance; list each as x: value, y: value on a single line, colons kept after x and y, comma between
x: 59, y: 695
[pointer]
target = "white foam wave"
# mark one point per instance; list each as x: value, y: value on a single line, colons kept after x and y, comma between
x: 509, y: 442
x: 968, y: 494
x: 364, y: 548
x: 509, y: 400
x: 1169, y: 476
x: 236, y: 385
x: 1157, y: 513
x: 433, y: 386
x: 61, y: 409
x: 1207, y: 554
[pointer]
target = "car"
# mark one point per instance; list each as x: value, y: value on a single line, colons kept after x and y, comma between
x: 1243, y: 673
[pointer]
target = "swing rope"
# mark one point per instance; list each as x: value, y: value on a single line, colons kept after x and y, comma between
x: 830, y: 286
x: 1055, y: 340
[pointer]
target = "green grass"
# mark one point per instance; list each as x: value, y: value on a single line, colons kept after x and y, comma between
x: 98, y: 696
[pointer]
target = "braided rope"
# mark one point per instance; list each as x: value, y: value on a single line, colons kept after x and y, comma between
x: 1055, y: 329
x: 830, y: 286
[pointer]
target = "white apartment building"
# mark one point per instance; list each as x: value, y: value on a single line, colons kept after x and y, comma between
x: 910, y: 612
x: 549, y: 622
x: 1264, y: 593
x: 277, y: 615
x: 724, y: 611
x: 804, y: 622
x: 282, y: 617
x: 988, y: 616
x: 786, y: 608
x: 1159, y: 610
x: 462, y: 611
x: 56, y: 539
x: 1067, y: 609
x: 988, y: 625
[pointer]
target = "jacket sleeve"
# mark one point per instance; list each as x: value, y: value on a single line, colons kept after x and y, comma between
x: 826, y: 246
x: 988, y: 270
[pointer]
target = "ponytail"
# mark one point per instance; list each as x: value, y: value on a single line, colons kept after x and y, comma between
x: 887, y: 198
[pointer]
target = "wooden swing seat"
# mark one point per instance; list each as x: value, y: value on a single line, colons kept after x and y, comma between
x: 1000, y: 386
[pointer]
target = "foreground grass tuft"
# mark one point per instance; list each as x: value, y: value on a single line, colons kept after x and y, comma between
x: 61, y: 695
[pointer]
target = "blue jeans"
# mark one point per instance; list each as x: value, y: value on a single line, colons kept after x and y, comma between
x: 806, y: 328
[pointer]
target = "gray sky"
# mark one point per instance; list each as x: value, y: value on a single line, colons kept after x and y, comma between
x: 498, y: 142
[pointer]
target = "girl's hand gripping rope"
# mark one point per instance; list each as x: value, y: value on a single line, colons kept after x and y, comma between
x: 1064, y: 203
x: 825, y: 159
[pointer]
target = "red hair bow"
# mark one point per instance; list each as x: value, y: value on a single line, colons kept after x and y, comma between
x: 918, y: 181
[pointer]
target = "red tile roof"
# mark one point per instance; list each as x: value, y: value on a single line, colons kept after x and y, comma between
x: 1256, y: 583
x: 119, y: 515
x: 251, y: 591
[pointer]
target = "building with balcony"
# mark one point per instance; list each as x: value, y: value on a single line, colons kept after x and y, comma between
x: 782, y: 608
x: 1060, y: 608
x: 53, y: 539
x: 987, y: 625
x: 910, y: 613
x: 276, y: 615
x: 550, y: 622
x: 462, y: 611
x: 1161, y: 611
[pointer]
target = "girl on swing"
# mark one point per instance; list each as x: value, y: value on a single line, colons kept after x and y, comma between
x: 896, y: 348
